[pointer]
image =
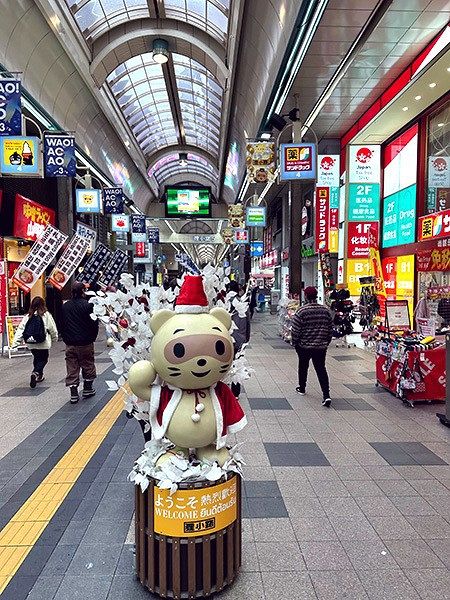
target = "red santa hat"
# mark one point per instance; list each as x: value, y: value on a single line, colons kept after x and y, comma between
x: 192, y: 298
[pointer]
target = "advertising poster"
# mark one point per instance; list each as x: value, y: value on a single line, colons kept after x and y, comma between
x: 87, y: 232
x: 375, y: 264
x: 113, y: 269
x: 298, y: 161
x: 322, y: 218
x: 328, y: 171
x: 364, y: 164
x: 10, y: 107
x: 19, y: 155
x: 138, y: 229
x: 434, y: 226
x: 153, y: 235
x: 397, y: 315
x: 439, y: 172
x: 31, y: 218
x: 240, y: 236
x: 255, y: 216
x: 358, y: 238
x: 120, y: 223
x: 3, y: 294
x: 89, y: 201
x: 256, y: 249
x: 94, y: 264
x: 59, y: 155
x: 260, y: 160
x: 12, y: 324
x: 69, y: 261
x: 41, y: 254
x: 113, y: 201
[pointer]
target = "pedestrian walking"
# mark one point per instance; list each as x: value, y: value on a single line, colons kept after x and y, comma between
x: 241, y: 335
x: 79, y: 333
x: 312, y: 327
x: 253, y: 301
x: 37, y: 330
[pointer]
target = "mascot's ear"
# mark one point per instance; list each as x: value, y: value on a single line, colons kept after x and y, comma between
x: 222, y: 315
x: 159, y: 318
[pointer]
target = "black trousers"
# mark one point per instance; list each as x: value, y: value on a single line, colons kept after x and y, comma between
x: 236, y: 389
x: 318, y: 357
x: 40, y: 359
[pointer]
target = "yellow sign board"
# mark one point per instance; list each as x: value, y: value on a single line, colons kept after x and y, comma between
x: 405, y: 279
x: 195, y: 512
x: 356, y: 268
x: 333, y: 240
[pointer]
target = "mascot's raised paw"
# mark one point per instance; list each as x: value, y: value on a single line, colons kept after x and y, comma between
x: 141, y: 377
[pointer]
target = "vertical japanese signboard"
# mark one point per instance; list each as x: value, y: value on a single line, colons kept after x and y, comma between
x: 88, y: 233
x: 113, y: 269
x: 322, y: 218
x: 59, y: 155
x: 31, y: 218
x: 10, y: 107
x: 94, y: 265
x: 138, y: 229
x: 328, y: 179
x: 113, y: 201
x: 69, y: 261
x: 3, y: 294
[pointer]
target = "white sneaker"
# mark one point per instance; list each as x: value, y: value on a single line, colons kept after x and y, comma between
x: 299, y: 392
x: 326, y: 402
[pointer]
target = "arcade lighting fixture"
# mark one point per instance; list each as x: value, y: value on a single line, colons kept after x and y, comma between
x: 183, y: 159
x: 160, y: 51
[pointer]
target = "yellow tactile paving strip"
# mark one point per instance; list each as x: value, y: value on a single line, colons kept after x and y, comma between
x: 18, y: 537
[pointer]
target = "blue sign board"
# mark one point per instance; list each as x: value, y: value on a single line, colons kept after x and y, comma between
x: 153, y: 235
x: 88, y: 201
x: 399, y: 218
x: 113, y: 201
x: 59, y: 155
x: 10, y: 107
x: 256, y: 249
x: 19, y: 155
x: 138, y: 229
x: 298, y: 161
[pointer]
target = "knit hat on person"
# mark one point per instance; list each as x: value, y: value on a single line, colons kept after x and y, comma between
x: 192, y: 298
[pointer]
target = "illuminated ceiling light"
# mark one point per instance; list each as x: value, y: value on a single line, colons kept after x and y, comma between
x: 441, y: 124
x: 160, y: 51
x: 127, y: 143
x: 448, y: 69
x: 266, y: 136
x: 432, y: 85
x: 405, y: 108
x: 183, y: 159
x: 417, y: 97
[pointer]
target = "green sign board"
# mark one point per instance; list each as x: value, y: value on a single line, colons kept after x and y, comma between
x: 364, y: 201
x: 256, y: 216
x: 334, y: 197
x: 399, y: 218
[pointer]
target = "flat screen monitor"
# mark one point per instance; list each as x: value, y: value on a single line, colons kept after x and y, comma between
x: 186, y: 202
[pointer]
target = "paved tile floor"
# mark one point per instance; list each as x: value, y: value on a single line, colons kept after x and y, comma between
x: 351, y: 502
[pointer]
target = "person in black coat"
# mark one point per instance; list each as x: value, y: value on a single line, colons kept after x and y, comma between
x: 79, y: 333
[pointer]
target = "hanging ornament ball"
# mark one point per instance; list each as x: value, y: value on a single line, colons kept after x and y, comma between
x: 110, y: 342
x: 195, y: 417
x: 131, y: 341
x: 123, y: 323
x: 200, y: 407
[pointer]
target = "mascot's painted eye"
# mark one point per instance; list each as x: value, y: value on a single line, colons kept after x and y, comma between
x: 220, y: 347
x: 179, y: 350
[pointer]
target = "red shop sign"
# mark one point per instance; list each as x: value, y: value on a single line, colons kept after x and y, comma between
x: 434, y: 226
x: 322, y: 218
x: 139, y: 251
x: 389, y: 267
x: 31, y: 218
x: 358, y: 238
x: 433, y: 260
x: 3, y: 294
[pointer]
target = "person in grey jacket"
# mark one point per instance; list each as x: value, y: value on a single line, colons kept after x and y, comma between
x: 241, y: 335
x: 40, y: 351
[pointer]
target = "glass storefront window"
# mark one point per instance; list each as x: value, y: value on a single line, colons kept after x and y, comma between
x: 438, y: 161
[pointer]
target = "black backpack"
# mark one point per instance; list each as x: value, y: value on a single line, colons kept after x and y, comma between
x: 34, y: 332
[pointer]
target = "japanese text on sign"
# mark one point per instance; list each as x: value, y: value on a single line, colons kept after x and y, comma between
x: 10, y: 107
x: 69, y: 261
x: 436, y: 225
x: 190, y: 513
x: 31, y: 218
x: 298, y: 161
x: 322, y: 218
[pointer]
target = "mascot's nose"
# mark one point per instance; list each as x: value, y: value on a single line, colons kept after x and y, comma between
x: 201, y: 362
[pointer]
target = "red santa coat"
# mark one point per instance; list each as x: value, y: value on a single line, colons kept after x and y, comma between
x: 230, y: 417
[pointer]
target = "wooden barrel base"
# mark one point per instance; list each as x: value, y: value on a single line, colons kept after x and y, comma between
x: 185, y: 567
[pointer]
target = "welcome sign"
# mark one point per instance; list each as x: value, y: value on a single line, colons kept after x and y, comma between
x: 59, y: 155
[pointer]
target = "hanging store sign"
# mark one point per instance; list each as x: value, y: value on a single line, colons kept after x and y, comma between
x: 113, y: 200
x: 364, y: 202
x: 89, y: 201
x: 69, y: 261
x: 364, y: 164
x: 434, y: 226
x: 399, y: 218
x: 39, y: 258
x: 322, y: 218
x: 260, y: 161
x: 120, y: 223
x: 153, y: 235
x: 240, y: 236
x: 298, y: 161
x: 10, y: 107
x: 3, y: 294
x: 19, y: 155
x: 113, y: 269
x: 138, y: 229
x: 140, y: 250
x: 333, y: 234
x: 256, y: 249
x: 389, y: 266
x: 88, y: 233
x: 255, y: 216
x: 236, y: 215
x: 59, y: 155
x: 358, y: 238
x: 328, y: 170
x: 31, y: 218
x: 94, y: 264
x: 439, y: 172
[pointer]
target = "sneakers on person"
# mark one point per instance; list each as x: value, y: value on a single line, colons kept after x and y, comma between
x: 74, y: 394
x: 88, y: 389
x: 40, y: 379
x: 326, y: 402
x: 300, y: 391
x: 33, y: 380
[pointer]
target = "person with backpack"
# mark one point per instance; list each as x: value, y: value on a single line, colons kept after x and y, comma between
x: 37, y: 330
x: 79, y: 333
